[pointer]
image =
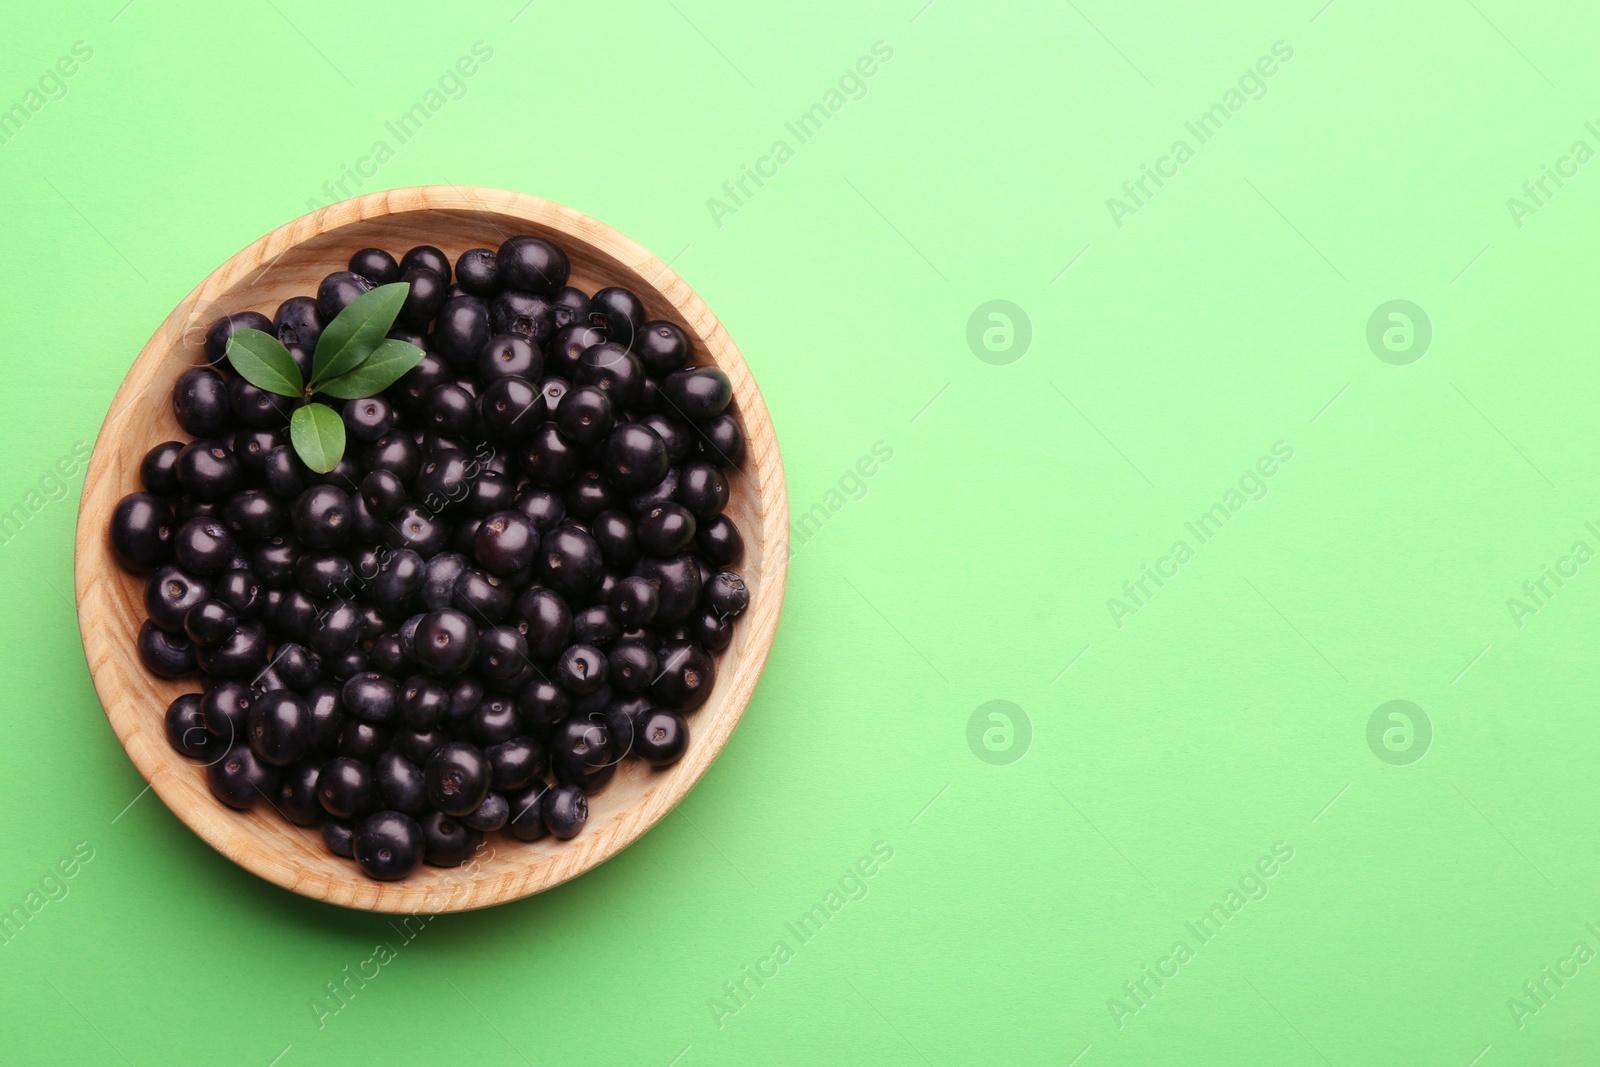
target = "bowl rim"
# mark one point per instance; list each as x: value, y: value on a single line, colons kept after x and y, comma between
x: 111, y: 660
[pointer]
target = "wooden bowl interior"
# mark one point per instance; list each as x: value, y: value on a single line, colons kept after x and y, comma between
x: 290, y: 262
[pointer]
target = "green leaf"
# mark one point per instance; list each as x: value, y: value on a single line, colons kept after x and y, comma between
x: 261, y: 360
x: 318, y: 435
x: 388, y: 364
x: 356, y: 331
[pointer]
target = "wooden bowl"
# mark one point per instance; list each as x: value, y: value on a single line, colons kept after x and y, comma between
x: 289, y: 262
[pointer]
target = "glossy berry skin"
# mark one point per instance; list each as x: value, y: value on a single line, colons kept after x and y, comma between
x: 565, y: 810
x: 448, y: 842
x: 298, y: 322
x: 336, y: 631
x: 219, y: 331
x: 257, y: 409
x: 570, y: 305
x: 240, y: 590
x: 661, y: 738
x: 443, y: 481
x: 522, y: 313
x: 665, y: 530
x: 478, y: 272
x: 515, y: 764
x: 338, y: 291
x: 422, y: 702
x: 457, y: 778
x: 401, y: 785
x: 210, y: 623
x: 548, y: 459
x: 631, y: 666
x: 511, y: 409
x: 711, y: 631
x: 532, y: 265
x: 376, y: 266
x: 635, y: 601
x: 461, y: 331
x: 158, y: 471
x: 502, y: 655
x: 588, y: 495
x: 186, y: 731
x: 424, y: 299
x: 170, y: 593
x: 339, y: 836
x: 279, y: 727
x: 327, y: 719
x: 567, y: 346
x: 142, y: 531
x: 450, y: 410
x: 727, y: 595
x: 204, y: 547
x: 443, y: 571
x: 569, y: 560
x: 546, y: 622
x: 509, y: 355
x: 371, y: 697
x: 581, y: 669
x: 255, y: 514
x: 615, y: 370
x: 208, y: 471
x: 614, y: 533
x: 687, y: 677
x: 506, y: 543
x: 525, y: 820
x: 296, y: 796
x: 491, y: 815
x: 446, y: 642
x: 346, y: 788
x: 698, y: 393
x: 703, y: 490
x: 495, y: 721
x: 388, y: 845
x: 429, y: 258
x: 634, y: 458
x: 618, y: 312
x: 680, y: 583
x: 241, y: 655
x: 225, y: 711
x: 581, y: 743
x: 369, y: 419
x: 321, y: 517
x: 240, y: 779
x: 721, y: 442
x: 362, y: 741
x: 416, y: 529
x: 720, y: 542
x: 200, y: 401
x: 662, y: 348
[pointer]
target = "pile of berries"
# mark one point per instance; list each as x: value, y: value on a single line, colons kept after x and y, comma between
x: 518, y: 574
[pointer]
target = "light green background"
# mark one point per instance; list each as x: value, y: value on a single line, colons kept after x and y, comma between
x: 1169, y: 354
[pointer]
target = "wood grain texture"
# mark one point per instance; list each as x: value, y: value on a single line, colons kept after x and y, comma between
x: 289, y: 262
